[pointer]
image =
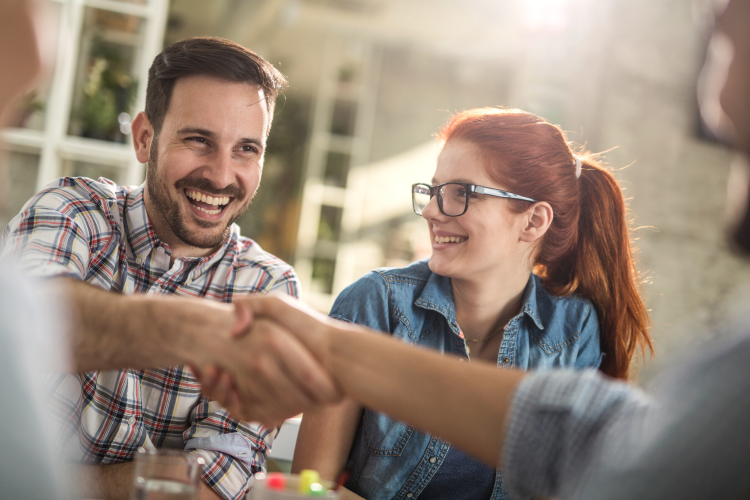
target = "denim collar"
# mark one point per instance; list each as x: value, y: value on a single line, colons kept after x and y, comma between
x: 437, y: 295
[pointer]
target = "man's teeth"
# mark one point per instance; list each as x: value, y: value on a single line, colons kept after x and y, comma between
x: 449, y: 239
x: 198, y: 196
x: 212, y: 212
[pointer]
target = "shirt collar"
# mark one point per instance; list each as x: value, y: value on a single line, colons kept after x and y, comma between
x: 141, y: 235
x: 529, y: 300
x: 437, y: 295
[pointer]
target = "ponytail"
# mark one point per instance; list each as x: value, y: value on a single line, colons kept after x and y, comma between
x: 586, y: 250
x: 601, y: 268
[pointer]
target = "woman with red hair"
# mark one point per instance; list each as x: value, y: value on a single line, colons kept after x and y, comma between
x: 531, y: 268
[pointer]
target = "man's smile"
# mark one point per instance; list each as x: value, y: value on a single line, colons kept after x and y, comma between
x: 207, y: 203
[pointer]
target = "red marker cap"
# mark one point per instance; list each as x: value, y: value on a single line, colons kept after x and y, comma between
x: 275, y: 481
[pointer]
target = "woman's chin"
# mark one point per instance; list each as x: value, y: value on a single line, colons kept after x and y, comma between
x: 439, y: 266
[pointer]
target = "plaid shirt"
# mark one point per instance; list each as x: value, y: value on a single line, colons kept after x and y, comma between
x: 99, y: 232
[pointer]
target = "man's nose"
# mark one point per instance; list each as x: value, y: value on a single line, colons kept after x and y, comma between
x: 221, y: 171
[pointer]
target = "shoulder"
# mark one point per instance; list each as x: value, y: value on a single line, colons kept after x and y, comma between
x: 266, y: 271
x: 372, y: 294
x: 73, y: 196
x: 565, y: 318
x: 549, y: 305
x: 383, y: 280
x: 415, y: 274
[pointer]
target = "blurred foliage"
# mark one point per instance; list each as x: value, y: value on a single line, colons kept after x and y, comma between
x: 108, y: 91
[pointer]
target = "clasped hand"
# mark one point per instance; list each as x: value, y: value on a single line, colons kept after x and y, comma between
x: 270, y: 373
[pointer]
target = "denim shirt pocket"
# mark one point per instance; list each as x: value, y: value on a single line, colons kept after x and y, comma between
x: 383, y: 435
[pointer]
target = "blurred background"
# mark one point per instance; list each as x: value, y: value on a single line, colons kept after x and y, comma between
x: 371, y: 81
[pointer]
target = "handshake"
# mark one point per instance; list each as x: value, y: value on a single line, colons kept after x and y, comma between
x: 268, y: 357
x: 277, y: 362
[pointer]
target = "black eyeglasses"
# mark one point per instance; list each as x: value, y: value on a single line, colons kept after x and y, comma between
x: 453, y: 197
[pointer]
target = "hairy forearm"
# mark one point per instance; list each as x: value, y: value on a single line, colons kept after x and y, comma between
x: 113, y: 331
x: 111, y: 482
x: 461, y: 402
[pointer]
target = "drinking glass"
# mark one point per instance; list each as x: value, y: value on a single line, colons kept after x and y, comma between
x: 166, y: 475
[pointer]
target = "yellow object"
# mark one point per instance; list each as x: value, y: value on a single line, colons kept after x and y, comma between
x: 306, y: 478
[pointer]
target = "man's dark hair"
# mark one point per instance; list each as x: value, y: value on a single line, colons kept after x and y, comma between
x: 210, y: 56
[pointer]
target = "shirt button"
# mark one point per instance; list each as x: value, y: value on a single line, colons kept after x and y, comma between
x: 506, y: 360
x: 409, y: 495
x: 131, y: 421
x: 160, y: 250
x: 433, y: 460
x: 139, y: 260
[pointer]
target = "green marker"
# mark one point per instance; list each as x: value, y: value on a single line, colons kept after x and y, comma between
x: 317, y: 490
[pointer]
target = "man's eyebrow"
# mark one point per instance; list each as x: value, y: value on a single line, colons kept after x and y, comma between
x: 196, y: 130
x: 212, y: 135
x: 251, y: 140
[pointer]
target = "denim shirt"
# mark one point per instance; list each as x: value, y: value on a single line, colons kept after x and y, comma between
x: 390, y: 459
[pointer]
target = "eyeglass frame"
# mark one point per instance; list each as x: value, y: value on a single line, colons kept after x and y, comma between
x: 470, y: 188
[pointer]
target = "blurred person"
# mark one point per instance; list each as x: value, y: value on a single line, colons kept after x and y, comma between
x: 114, y: 252
x: 563, y: 433
x: 30, y: 341
x: 531, y: 268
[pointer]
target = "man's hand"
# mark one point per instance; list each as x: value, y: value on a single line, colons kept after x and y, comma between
x: 270, y: 374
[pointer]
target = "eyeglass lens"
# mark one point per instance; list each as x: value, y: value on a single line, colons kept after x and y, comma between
x: 451, y: 198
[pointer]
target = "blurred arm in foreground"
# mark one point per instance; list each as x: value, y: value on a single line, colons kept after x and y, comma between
x: 557, y: 433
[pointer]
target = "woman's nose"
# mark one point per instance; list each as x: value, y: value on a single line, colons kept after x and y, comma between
x: 432, y: 210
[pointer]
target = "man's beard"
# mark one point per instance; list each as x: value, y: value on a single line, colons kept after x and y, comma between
x: 170, y: 209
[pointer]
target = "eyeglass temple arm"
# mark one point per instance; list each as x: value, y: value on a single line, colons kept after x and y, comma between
x: 499, y: 193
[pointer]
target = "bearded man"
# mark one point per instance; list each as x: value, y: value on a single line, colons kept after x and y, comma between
x: 115, y: 252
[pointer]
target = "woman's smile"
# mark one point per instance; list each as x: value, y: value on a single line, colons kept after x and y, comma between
x: 450, y: 239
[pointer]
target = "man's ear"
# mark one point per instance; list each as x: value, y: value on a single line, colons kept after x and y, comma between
x: 538, y: 219
x: 143, y: 134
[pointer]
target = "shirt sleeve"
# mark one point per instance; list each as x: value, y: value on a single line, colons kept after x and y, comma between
x: 233, y: 451
x: 581, y: 435
x: 64, y: 230
x: 47, y: 243
x: 287, y: 283
x: 553, y: 426
x: 365, y: 302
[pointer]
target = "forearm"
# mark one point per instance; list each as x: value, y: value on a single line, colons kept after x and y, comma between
x: 325, y: 438
x: 113, y: 331
x: 110, y: 482
x: 464, y: 403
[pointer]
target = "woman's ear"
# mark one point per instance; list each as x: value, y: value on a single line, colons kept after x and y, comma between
x: 538, y: 219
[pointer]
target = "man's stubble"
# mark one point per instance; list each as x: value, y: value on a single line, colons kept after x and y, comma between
x: 171, y: 210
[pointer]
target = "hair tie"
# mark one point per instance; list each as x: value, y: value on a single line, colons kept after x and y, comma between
x: 578, y: 166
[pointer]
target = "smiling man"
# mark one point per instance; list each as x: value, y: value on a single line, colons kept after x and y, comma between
x: 209, y: 108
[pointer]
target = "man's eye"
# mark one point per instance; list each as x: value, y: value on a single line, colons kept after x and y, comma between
x: 249, y: 149
x: 199, y: 140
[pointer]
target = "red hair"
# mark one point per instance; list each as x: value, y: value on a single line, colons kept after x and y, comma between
x: 586, y: 250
